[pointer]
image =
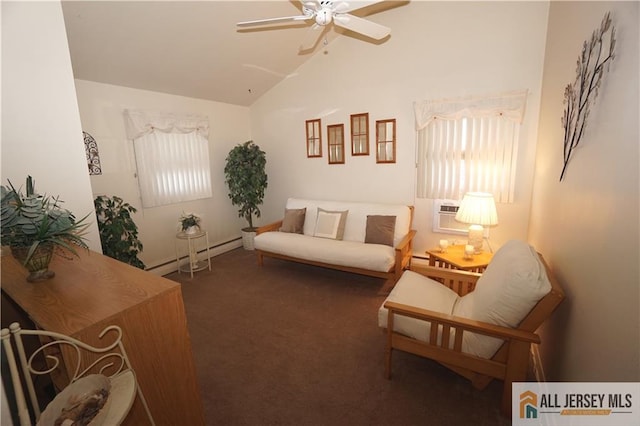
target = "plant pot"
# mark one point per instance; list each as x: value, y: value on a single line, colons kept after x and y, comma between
x: 192, y: 230
x: 38, y: 264
x: 247, y: 238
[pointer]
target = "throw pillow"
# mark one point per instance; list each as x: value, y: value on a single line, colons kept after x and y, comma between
x: 293, y: 221
x: 380, y: 230
x: 330, y: 224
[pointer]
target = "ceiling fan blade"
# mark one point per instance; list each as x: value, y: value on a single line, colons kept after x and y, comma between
x: 350, y: 6
x: 274, y: 20
x: 312, y: 38
x: 311, y: 4
x: 362, y: 26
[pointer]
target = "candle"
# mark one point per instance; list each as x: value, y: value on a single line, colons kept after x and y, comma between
x: 468, y: 251
x: 443, y: 245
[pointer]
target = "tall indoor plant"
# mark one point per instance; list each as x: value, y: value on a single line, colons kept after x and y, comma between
x: 246, y: 178
x: 118, y: 231
x: 36, y: 227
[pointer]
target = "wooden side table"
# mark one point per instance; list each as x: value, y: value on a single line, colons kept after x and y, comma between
x: 192, y: 264
x: 453, y: 258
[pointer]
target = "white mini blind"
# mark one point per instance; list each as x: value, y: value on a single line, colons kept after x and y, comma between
x: 468, y: 145
x: 172, y: 157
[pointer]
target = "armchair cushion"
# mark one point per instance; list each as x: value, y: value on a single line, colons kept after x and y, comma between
x: 512, y: 284
x: 421, y: 292
x: 510, y: 287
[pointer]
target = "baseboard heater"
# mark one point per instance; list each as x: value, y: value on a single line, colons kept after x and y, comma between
x: 211, y: 248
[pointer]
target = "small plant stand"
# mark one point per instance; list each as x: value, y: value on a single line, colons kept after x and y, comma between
x: 192, y: 263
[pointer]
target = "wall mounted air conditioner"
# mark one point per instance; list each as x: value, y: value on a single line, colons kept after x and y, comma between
x: 444, y: 218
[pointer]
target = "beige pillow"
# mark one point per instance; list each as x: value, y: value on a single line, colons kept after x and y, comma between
x: 293, y: 221
x: 330, y: 224
x: 380, y: 230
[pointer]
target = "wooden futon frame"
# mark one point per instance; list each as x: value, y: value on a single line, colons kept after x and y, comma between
x: 509, y: 363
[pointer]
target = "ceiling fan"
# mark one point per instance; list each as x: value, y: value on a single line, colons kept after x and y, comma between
x: 325, y: 12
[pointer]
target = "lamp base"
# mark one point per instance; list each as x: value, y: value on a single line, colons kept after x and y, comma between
x: 476, y: 237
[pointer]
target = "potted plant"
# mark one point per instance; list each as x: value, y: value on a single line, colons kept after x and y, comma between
x: 190, y: 223
x: 118, y: 231
x: 36, y: 226
x: 246, y: 178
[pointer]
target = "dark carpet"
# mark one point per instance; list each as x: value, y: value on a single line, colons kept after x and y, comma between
x: 292, y: 344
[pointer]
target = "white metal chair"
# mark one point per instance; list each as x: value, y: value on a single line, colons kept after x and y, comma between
x: 78, y: 365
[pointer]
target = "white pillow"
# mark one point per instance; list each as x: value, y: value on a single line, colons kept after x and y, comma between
x: 330, y: 224
x: 509, y: 288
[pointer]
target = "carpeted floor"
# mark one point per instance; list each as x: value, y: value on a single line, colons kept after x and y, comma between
x: 291, y: 344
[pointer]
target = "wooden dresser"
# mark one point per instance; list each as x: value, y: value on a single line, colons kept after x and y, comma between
x: 95, y: 291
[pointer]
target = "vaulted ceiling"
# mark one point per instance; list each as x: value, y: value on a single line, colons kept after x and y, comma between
x: 195, y: 49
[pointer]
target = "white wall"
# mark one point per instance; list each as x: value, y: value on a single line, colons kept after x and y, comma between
x: 587, y: 225
x: 41, y: 132
x: 436, y: 49
x: 101, y: 113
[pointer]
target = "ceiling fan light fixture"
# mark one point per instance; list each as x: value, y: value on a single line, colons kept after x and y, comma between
x: 324, y: 16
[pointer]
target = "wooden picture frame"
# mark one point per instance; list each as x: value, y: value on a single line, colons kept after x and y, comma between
x: 359, y: 134
x: 314, y: 138
x: 335, y: 143
x: 386, y: 141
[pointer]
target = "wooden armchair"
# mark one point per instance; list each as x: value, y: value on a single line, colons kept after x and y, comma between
x: 449, y: 339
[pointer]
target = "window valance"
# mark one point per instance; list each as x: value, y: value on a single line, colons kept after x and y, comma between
x: 510, y: 105
x: 139, y: 123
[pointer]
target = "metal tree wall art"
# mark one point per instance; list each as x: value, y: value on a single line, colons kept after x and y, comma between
x: 579, y: 95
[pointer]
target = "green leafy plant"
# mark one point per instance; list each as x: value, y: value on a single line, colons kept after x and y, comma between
x: 31, y: 220
x: 246, y: 178
x: 118, y: 231
x: 187, y: 220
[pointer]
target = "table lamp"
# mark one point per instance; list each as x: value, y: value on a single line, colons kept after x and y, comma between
x: 478, y: 209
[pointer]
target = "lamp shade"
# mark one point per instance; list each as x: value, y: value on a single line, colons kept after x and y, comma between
x: 478, y: 208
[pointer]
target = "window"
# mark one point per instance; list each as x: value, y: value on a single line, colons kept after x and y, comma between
x: 172, y: 157
x: 469, y: 145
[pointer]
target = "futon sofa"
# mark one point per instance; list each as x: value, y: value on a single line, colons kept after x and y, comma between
x: 367, y: 238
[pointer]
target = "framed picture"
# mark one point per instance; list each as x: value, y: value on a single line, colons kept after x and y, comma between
x: 335, y: 136
x: 360, y: 134
x: 386, y: 141
x: 314, y: 138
